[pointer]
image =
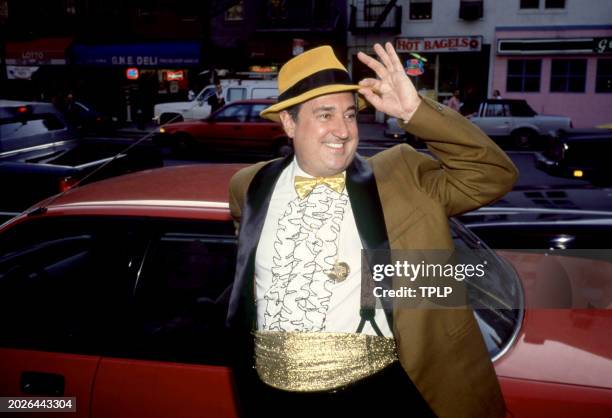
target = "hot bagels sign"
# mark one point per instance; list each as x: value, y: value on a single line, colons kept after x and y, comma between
x: 439, y: 44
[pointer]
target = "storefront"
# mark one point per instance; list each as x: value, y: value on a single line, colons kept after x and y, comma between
x: 36, y: 69
x: 447, y: 64
x: 563, y: 70
x: 128, y: 78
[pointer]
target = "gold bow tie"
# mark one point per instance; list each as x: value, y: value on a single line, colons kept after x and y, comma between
x: 305, y: 185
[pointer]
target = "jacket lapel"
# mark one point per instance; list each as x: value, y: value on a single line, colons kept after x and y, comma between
x: 370, y: 220
x: 242, y: 300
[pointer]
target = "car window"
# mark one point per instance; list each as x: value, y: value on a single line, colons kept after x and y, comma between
x: 182, y: 296
x: 497, y: 109
x: 119, y: 287
x: 33, y: 125
x: 498, y: 325
x: 64, y: 284
x: 236, y: 93
x: 522, y: 109
x: 205, y: 94
x: 256, y: 110
x: 235, y: 113
x: 263, y: 93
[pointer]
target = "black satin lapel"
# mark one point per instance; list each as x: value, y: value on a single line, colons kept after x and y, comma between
x: 370, y: 220
x: 259, y: 193
x: 367, y: 208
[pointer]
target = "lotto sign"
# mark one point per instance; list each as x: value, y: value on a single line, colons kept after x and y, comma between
x: 414, y: 67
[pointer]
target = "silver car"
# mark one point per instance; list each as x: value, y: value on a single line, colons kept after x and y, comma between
x: 517, y: 120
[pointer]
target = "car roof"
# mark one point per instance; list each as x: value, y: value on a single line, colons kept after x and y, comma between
x: 176, y: 191
x: 253, y: 101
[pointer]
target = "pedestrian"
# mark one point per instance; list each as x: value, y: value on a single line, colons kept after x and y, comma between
x: 303, y: 345
x: 497, y: 94
x: 216, y: 100
x: 454, y: 102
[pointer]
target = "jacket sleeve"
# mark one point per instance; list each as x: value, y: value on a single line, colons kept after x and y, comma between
x: 469, y: 169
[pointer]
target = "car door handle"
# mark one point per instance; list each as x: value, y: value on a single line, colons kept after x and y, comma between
x: 45, y: 384
x: 237, y: 128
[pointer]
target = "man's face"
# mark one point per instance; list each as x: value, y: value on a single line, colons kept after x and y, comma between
x: 325, y: 133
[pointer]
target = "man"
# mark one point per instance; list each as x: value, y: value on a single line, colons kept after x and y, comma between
x: 303, y: 221
x: 454, y: 102
x: 216, y: 101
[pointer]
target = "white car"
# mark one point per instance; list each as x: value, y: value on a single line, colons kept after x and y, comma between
x: 198, y: 107
x: 517, y: 120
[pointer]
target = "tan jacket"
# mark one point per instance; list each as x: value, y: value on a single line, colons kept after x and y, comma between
x: 402, y: 198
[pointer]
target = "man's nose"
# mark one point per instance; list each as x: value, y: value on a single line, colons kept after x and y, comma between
x: 341, y: 130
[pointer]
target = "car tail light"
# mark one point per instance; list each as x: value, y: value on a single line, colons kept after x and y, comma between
x: 66, y: 183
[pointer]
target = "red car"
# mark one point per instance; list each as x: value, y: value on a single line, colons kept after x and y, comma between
x: 235, y: 127
x: 115, y: 294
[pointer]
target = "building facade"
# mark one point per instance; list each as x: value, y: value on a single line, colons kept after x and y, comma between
x: 553, y: 53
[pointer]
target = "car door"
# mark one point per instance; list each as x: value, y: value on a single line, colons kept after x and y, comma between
x: 61, y: 291
x: 226, y: 128
x: 496, y: 119
x: 199, y: 108
x: 173, y: 362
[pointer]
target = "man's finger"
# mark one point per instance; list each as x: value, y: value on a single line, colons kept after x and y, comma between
x: 378, y: 68
x: 371, y: 97
x: 371, y: 83
x: 384, y: 57
x: 397, y: 63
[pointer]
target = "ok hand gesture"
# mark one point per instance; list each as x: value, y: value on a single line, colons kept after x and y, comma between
x: 392, y: 92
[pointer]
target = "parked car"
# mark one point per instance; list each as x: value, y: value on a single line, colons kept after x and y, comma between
x: 116, y: 293
x: 198, y: 108
x: 235, y: 127
x: 579, y: 153
x: 41, y: 154
x: 28, y: 124
x: 89, y: 120
x: 393, y: 130
x: 515, y: 119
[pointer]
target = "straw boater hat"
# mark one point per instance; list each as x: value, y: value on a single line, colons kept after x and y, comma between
x: 314, y: 73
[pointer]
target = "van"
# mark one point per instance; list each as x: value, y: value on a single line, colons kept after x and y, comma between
x: 198, y: 107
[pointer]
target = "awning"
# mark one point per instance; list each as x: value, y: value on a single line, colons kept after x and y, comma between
x: 47, y: 51
x: 158, y: 54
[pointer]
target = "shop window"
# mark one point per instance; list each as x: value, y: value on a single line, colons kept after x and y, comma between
x: 554, y: 4
x: 530, y: 4
x: 603, y: 83
x: 420, y: 9
x: 524, y: 75
x: 277, y: 10
x: 235, y: 13
x: 568, y: 75
x: 372, y: 10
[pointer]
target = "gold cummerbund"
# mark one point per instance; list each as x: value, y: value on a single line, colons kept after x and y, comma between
x: 319, y: 361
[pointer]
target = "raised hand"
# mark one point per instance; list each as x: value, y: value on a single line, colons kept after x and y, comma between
x: 392, y: 93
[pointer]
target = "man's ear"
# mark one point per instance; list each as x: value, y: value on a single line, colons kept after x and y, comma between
x: 288, y: 123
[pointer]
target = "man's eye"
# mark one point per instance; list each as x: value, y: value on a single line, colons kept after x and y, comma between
x: 325, y: 116
x: 351, y: 116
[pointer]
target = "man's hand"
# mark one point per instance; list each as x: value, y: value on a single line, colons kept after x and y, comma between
x: 392, y: 93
